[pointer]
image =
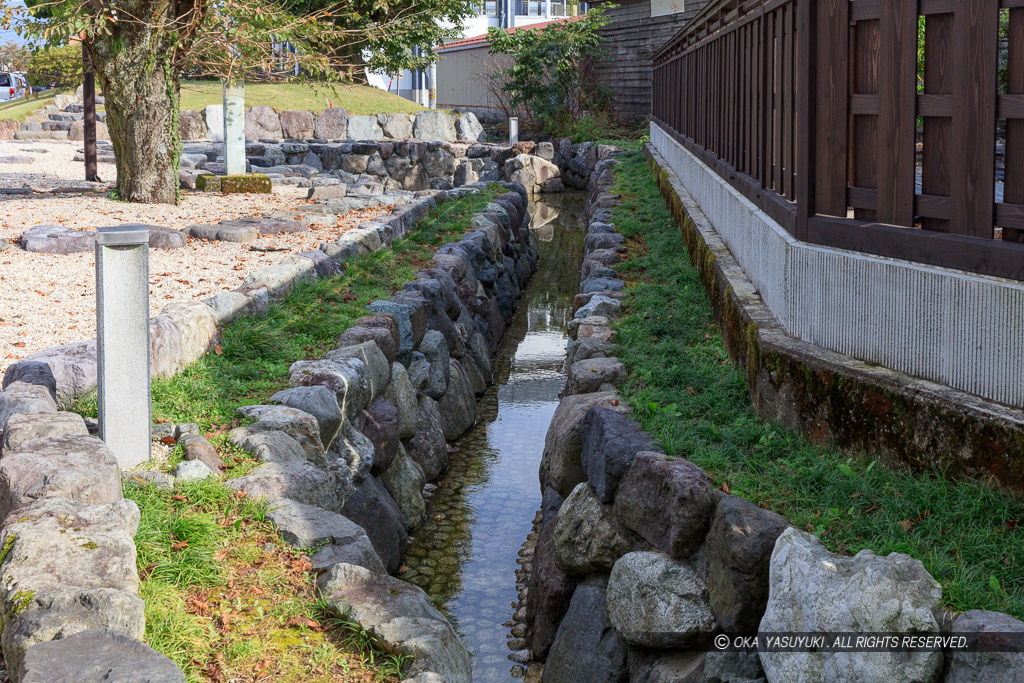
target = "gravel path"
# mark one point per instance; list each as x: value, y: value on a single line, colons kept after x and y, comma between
x: 46, y: 300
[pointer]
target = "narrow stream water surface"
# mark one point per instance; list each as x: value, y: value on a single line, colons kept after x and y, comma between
x: 465, y: 555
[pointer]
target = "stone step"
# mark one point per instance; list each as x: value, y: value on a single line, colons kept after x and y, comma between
x: 57, y: 125
x: 65, y: 116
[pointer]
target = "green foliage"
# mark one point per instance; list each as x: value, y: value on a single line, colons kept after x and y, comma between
x: 695, y: 402
x: 62, y: 65
x: 551, y: 72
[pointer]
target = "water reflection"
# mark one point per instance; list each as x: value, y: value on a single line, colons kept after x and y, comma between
x: 465, y: 554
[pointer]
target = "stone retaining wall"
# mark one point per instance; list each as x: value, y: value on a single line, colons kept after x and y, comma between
x: 346, y: 451
x: 640, y: 560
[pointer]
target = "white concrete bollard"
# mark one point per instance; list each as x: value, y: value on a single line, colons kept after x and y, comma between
x: 513, y: 130
x: 122, y: 341
x: 234, y: 128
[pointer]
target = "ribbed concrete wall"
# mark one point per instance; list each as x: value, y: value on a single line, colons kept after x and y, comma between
x: 961, y: 330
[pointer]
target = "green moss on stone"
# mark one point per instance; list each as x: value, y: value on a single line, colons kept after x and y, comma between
x: 20, y: 601
x: 208, y: 183
x: 255, y: 183
x: 8, y: 544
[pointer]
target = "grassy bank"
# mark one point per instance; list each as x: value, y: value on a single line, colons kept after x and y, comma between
x: 689, y: 396
x: 225, y: 597
x: 357, y: 99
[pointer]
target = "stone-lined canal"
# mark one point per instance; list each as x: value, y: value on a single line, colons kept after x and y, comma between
x: 467, y: 553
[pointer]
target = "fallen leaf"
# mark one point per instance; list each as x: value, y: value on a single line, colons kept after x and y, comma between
x: 724, y: 488
x: 168, y: 441
x: 218, y: 349
x: 906, y: 524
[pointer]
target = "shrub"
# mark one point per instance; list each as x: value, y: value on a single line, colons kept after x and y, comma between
x: 60, y: 65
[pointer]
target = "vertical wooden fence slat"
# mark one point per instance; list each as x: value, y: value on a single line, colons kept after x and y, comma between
x: 938, y: 80
x: 777, y: 138
x: 831, y: 127
x: 897, y: 91
x: 975, y: 37
x: 758, y: 108
x: 1013, y: 189
x: 788, y: 113
x: 865, y: 81
x: 807, y: 110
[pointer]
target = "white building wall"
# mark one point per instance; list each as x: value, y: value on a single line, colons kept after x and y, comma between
x: 955, y: 328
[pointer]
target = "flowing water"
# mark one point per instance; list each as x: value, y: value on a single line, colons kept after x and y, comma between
x: 467, y: 552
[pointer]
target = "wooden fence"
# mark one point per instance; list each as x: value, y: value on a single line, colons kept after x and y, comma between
x: 822, y: 114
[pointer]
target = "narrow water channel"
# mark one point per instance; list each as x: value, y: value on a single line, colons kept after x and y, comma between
x: 465, y: 555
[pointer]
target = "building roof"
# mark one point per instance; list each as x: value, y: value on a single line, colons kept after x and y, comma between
x: 475, y: 41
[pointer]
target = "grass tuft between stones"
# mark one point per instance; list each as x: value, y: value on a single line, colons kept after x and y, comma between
x: 687, y: 394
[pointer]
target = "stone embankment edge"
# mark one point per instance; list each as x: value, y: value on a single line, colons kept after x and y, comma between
x: 836, y: 399
x: 37, y: 401
x: 630, y: 536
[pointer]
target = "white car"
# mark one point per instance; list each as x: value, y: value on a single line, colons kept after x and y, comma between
x: 12, y: 86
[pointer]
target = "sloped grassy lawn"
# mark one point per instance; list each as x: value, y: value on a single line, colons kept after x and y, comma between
x: 692, y: 399
x: 357, y: 99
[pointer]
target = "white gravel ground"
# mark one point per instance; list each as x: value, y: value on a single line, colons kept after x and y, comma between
x: 47, y: 300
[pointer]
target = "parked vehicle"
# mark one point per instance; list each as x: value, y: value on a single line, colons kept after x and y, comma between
x: 12, y: 86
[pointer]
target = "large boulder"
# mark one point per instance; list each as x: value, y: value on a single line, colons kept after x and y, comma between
x: 192, y: 125
x: 398, y: 127
x: 364, y: 128
x: 610, y: 441
x: 655, y: 601
x: 588, y: 375
x: 378, y: 367
x: 373, y: 508
x: 198, y: 328
x: 66, y: 558
x: 458, y: 404
x: 68, y: 372
x: 666, y: 666
x: 22, y: 427
x: 404, y: 480
x: 297, y: 125
x: 306, y: 526
x: 98, y: 655
x: 297, y: 424
x: 468, y: 128
x: 301, y: 481
x: 399, y: 617
x: 268, y: 446
x: 21, y: 398
x: 75, y: 467
x: 402, y: 395
x: 321, y: 403
x: 428, y: 447
x: 536, y: 174
x: 435, y: 350
x: 57, y: 239
x: 331, y: 124
x: 813, y: 590
x: 586, y: 647
x: 560, y: 462
x: 549, y: 592
x: 739, y: 546
x: 356, y: 450
x: 346, y: 378
x: 380, y: 425
x: 667, y: 502
x: 262, y: 122
x: 988, y: 630
x: 587, y: 535
x: 435, y: 125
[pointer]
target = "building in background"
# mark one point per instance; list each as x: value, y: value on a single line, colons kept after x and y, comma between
x: 414, y: 85
x: 637, y: 30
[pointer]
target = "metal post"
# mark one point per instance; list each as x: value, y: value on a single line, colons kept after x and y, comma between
x: 234, y: 127
x: 122, y: 341
x: 432, y: 98
x: 89, y: 118
x: 513, y: 130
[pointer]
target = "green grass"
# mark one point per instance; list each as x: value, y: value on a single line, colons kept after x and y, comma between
x: 257, y: 351
x: 22, y: 108
x: 226, y: 599
x: 691, y: 398
x: 357, y: 99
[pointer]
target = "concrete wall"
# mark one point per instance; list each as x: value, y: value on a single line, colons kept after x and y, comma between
x: 957, y: 329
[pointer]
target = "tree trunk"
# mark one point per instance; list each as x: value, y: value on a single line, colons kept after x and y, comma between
x: 141, y: 101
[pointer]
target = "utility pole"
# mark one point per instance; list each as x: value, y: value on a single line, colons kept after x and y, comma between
x: 89, y: 118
